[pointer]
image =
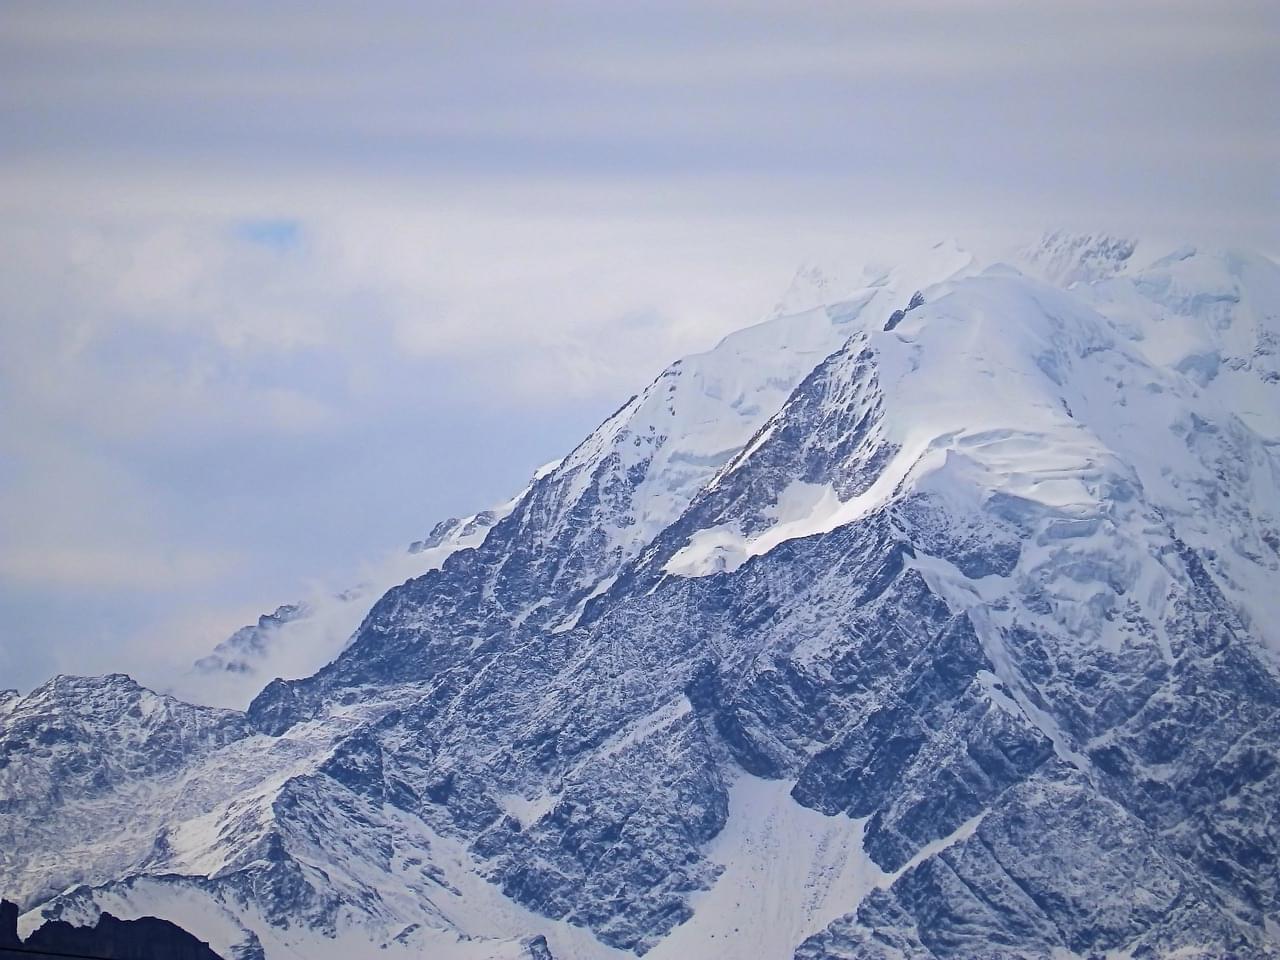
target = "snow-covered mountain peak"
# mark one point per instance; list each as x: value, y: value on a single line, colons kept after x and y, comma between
x: 85, y: 701
x: 1064, y: 258
x: 922, y: 621
x: 974, y: 384
x: 641, y: 468
x: 77, y: 692
x: 1207, y: 314
x: 1003, y: 390
x: 832, y: 281
x: 813, y: 285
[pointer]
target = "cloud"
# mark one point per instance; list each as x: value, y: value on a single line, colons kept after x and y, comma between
x: 110, y: 568
x: 196, y: 416
x: 295, y: 648
x: 946, y: 92
x: 281, y: 287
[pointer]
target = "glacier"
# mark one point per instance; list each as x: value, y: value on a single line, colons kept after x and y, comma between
x: 935, y: 616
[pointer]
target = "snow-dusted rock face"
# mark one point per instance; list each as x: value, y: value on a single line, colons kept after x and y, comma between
x: 896, y: 626
x: 75, y: 756
x: 243, y: 650
x: 304, y: 635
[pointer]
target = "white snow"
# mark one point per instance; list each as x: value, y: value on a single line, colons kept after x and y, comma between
x: 802, y: 510
x: 1158, y: 380
x: 703, y: 410
x: 788, y: 872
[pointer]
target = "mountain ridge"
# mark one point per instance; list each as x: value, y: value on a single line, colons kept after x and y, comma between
x: 969, y: 585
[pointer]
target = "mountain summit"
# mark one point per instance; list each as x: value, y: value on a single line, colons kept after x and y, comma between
x: 936, y: 616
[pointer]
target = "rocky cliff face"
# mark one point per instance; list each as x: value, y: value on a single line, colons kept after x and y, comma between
x: 307, y: 633
x: 902, y: 626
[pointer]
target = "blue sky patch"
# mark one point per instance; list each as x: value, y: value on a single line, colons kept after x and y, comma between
x: 277, y: 234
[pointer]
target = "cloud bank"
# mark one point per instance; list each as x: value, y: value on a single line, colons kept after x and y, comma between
x: 284, y: 285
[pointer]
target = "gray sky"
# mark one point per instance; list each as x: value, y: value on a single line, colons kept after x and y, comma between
x: 280, y: 285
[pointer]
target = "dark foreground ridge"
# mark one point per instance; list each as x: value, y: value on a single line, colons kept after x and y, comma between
x: 147, y: 938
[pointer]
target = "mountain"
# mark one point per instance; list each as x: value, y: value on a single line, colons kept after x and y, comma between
x: 303, y: 635
x: 933, y: 617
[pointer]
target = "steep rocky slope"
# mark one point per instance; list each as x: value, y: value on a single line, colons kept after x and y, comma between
x: 936, y: 625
